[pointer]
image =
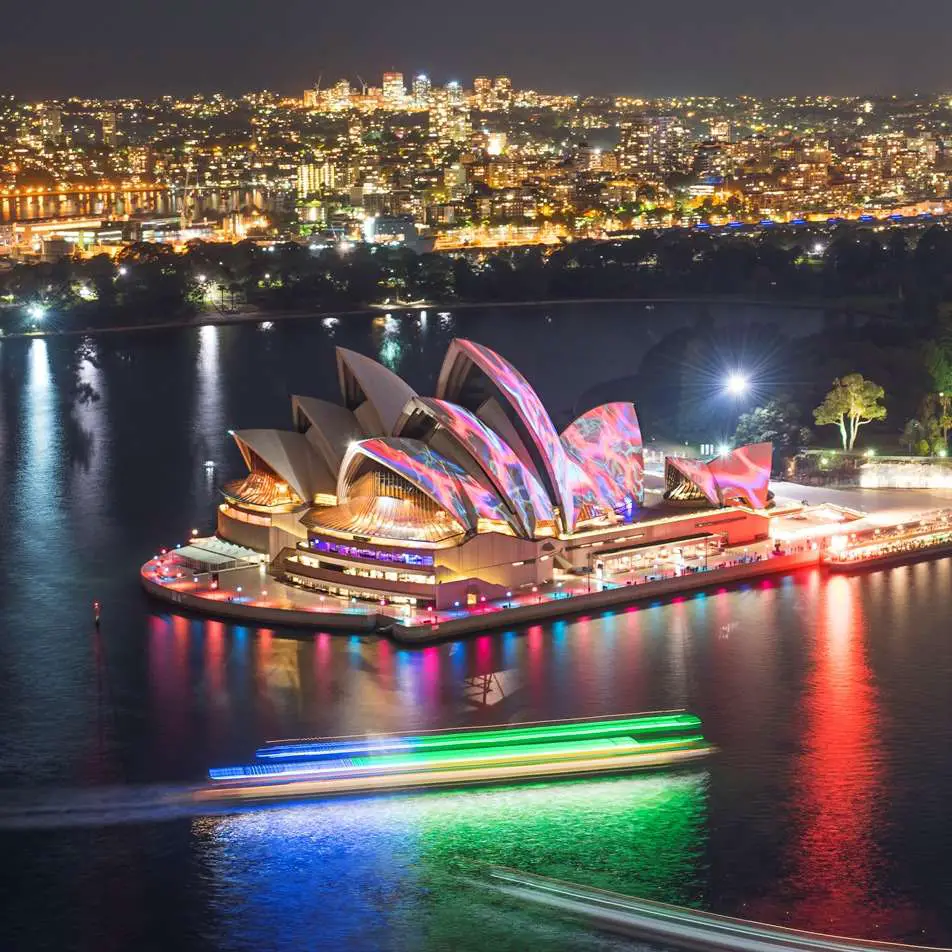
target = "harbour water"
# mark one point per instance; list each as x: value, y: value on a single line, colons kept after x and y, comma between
x: 825, y: 806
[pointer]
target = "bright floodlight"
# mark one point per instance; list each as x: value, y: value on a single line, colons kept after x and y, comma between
x: 36, y: 311
x: 737, y: 384
x: 723, y: 449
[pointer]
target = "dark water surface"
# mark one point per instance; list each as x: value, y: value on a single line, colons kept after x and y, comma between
x: 826, y: 807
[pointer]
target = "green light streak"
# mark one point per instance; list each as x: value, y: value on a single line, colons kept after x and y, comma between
x: 624, y: 727
x: 527, y: 753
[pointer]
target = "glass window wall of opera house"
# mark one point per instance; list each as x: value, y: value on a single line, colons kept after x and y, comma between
x: 468, y: 495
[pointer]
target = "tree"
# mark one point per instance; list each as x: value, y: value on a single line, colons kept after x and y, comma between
x: 927, y: 433
x: 853, y: 402
x: 777, y: 422
x: 911, y: 436
x: 938, y: 361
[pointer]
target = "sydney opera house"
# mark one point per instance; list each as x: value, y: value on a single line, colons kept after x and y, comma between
x: 468, y: 495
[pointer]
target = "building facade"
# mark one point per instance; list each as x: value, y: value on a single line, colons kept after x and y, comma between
x: 457, y: 498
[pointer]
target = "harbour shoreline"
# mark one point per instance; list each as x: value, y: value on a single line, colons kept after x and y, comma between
x: 209, y: 318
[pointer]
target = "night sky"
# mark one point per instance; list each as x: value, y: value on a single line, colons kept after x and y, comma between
x: 67, y: 47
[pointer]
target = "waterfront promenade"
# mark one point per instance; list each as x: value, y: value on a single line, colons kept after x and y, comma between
x: 247, y: 593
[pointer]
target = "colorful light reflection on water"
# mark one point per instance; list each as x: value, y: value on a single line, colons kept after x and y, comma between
x: 396, y: 871
x: 826, y: 805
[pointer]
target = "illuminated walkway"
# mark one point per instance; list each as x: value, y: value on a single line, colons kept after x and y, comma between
x: 824, y: 532
x: 251, y: 595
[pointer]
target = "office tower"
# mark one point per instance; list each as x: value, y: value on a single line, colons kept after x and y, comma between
x: 339, y: 95
x: 394, y: 92
x: 454, y: 93
x: 482, y: 93
x: 109, y: 131
x: 449, y: 115
x: 502, y: 92
x: 51, y: 124
x: 421, y: 91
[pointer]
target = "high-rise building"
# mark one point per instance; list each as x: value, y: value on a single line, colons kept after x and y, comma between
x: 421, y: 91
x: 652, y: 145
x: 708, y: 159
x: 338, y: 96
x: 109, y: 129
x: 314, y: 177
x: 454, y: 180
x: 394, y: 92
x: 311, y: 98
x: 502, y: 92
x: 51, y: 124
x: 483, y: 93
x: 454, y: 93
x: 449, y: 115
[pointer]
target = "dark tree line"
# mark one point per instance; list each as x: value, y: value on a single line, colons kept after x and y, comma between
x: 907, y: 275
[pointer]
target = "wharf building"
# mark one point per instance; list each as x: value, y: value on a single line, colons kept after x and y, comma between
x: 472, y: 494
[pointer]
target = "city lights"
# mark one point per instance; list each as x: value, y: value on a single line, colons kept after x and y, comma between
x: 448, y: 183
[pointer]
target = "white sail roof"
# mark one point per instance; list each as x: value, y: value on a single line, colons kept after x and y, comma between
x: 292, y: 457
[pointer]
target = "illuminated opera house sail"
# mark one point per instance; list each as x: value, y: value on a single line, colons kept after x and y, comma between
x: 389, y: 495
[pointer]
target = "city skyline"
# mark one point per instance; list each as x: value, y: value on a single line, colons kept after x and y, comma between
x: 445, y: 166
x: 855, y: 49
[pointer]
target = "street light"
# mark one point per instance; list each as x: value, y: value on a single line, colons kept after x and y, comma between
x: 737, y: 384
